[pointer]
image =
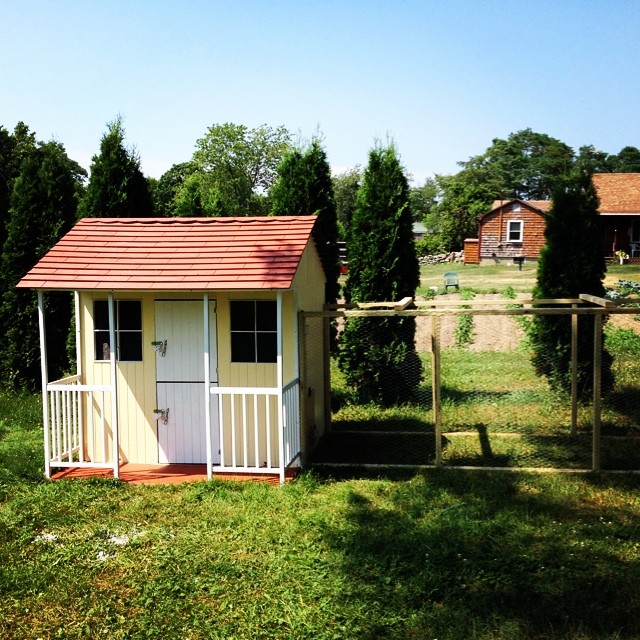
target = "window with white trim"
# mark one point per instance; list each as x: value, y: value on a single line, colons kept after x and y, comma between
x: 254, y: 330
x: 514, y: 230
x: 128, y: 329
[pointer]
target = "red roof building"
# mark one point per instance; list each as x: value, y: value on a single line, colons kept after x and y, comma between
x: 189, y: 344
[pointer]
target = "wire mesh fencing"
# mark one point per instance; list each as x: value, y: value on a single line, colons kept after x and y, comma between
x: 467, y: 384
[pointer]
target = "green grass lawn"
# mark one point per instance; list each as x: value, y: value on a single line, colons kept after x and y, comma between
x: 497, y: 278
x: 442, y: 554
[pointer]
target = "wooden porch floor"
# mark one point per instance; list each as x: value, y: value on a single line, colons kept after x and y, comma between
x: 168, y: 474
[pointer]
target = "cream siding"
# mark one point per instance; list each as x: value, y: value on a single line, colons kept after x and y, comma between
x: 137, y: 380
x: 309, y: 285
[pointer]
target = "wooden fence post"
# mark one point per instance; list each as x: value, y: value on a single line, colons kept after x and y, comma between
x: 597, y: 390
x: 574, y: 371
x: 436, y: 386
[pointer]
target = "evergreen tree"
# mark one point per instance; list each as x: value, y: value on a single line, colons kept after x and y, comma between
x: 304, y: 187
x: 378, y: 355
x: 43, y: 208
x: 117, y: 188
x: 570, y: 263
x: 13, y: 147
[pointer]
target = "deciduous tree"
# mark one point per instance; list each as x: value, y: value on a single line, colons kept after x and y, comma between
x: 526, y: 165
x: 165, y: 189
x: 345, y: 190
x: 234, y: 167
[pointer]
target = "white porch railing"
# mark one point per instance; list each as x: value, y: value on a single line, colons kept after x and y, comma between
x: 251, y: 440
x: 70, y: 440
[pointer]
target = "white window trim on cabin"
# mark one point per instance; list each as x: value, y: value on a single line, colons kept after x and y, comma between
x: 512, y: 232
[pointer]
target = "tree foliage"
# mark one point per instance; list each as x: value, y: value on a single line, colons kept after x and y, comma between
x: 378, y: 355
x: 570, y: 263
x: 234, y: 168
x: 117, y: 188
x: 43, y: 208
x: 345, y: 191
x: 166, y: 188
x: 304, y: 187
x: 13, y: 147
x: 627, y: 161
x: 526, y: 165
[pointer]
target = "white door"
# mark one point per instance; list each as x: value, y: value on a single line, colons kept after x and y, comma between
x: 180, y: 381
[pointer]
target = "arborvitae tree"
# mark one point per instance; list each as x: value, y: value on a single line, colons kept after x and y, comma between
x: 43, y: 208
x: 378, y: 355
x: 117, y: 188
x: 304, y: 187
x: 13, y: 147
x: 570, y: 263
x: 289, y: 195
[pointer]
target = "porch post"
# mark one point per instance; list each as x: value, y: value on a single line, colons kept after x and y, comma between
x: 44, y: 379
x: 280, y: 386
x: 76, y: 310
x: 114, y: 388
x: 207, y: 385
x: 78, y: 395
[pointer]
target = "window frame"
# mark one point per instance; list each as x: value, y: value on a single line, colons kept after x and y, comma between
x: 253, y: 342
x: 120, y: 332
x: 511, y: 232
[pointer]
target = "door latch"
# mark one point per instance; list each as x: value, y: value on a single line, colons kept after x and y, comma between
x: 161, y: 415
x: 160, y: 346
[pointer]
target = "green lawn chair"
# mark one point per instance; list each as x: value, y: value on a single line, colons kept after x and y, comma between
x: 451, y: 280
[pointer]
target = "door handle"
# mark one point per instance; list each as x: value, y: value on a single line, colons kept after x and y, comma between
x: 160, y: 346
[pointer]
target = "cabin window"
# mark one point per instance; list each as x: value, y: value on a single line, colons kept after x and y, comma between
x: 514, y: 231
x: 128, y: 315
x: 254, y: 331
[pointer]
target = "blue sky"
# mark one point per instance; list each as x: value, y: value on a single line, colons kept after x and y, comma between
x: 440, y: 78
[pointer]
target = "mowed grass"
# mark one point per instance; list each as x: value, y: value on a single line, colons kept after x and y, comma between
x: 497, y: 278
x: 442, y: 554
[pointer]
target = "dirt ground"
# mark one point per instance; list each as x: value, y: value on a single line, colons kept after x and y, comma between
x: 492, y: 333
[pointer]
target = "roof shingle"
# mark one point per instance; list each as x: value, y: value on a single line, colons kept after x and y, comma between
x: 618, y: 192
x: 175, y: 254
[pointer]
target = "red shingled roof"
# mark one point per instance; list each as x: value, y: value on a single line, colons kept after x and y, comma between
x: 618, y: 192
x: 175, y: 254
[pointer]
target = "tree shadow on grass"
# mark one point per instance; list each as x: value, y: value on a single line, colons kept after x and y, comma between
x: 375, y: 448
x: 477, y: 555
